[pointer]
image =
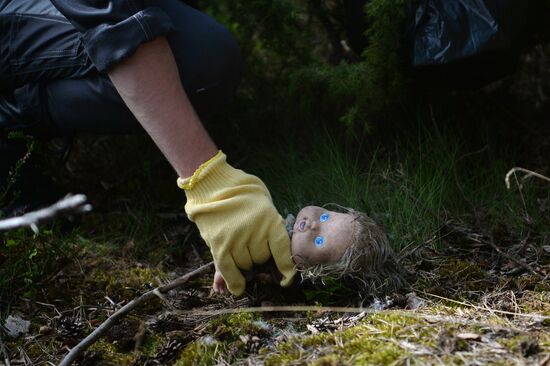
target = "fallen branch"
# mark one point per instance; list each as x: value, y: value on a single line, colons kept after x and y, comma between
x: 107, y: 324
x: 70, y: 205
x: 528, y: 172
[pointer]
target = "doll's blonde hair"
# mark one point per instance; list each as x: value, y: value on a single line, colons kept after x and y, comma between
x: 369, y: 259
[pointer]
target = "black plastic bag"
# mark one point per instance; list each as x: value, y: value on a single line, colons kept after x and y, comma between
x: 447, y: 31
x: 467, y: 43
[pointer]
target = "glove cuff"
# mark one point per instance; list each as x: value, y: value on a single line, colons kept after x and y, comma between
x: 190, y: 182
x: 213, y: 175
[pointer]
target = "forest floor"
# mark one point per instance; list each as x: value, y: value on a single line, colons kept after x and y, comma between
x: 471, y: 303
x: 478, y: 254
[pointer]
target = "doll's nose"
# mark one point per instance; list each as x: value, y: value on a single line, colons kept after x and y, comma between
x: 313, y: 225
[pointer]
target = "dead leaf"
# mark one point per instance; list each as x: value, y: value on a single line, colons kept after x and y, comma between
x: 469, y: 336
x: 16, y: 326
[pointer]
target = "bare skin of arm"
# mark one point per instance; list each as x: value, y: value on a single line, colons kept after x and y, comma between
x: 149, y: 83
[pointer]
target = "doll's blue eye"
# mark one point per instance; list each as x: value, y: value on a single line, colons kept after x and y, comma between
x: 324, y: 217
x: 319, y: 241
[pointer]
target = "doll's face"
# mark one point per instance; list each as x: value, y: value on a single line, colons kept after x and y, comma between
x: 321, y: 236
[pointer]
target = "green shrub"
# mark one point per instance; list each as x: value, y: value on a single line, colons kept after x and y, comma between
x: 292, y: 73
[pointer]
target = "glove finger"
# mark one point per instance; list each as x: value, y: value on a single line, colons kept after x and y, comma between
x: 242, y: 258
x: 279, y: 243
x: 233, y: 277
x: 260, y: 253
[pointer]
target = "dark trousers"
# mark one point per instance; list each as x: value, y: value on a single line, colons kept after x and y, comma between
x: 53, y: 67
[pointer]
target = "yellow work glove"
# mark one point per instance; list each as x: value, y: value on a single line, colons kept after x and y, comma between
x: 237, y: 220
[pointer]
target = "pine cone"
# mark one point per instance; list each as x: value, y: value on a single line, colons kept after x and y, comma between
x: 70, y: 327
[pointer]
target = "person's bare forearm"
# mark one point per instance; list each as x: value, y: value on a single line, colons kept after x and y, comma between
x: 149, y: 83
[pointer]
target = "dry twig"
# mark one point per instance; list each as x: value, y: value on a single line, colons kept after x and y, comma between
x: 70, y: 205
x: 529, y: 173
x: 107, y: 324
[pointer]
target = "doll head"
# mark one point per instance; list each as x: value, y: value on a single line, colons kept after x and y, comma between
x: 345, y: 244
x: 320, y: 236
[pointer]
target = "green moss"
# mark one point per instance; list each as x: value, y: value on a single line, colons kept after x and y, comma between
x: 373, y: 342
x: 470, y: 276
x: 527, y: 282
x: 124, y: 281
x: 535, y: 302
x: 111, y: 355
x: 152, y: 345
x: 389, y: 337
x: 523, y: 345
x: 512, y: 343
x: 223, y: 340
x: 117, y: 280
x: 544, y: 340
x: 230, y: 327
x: 197, y: 353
